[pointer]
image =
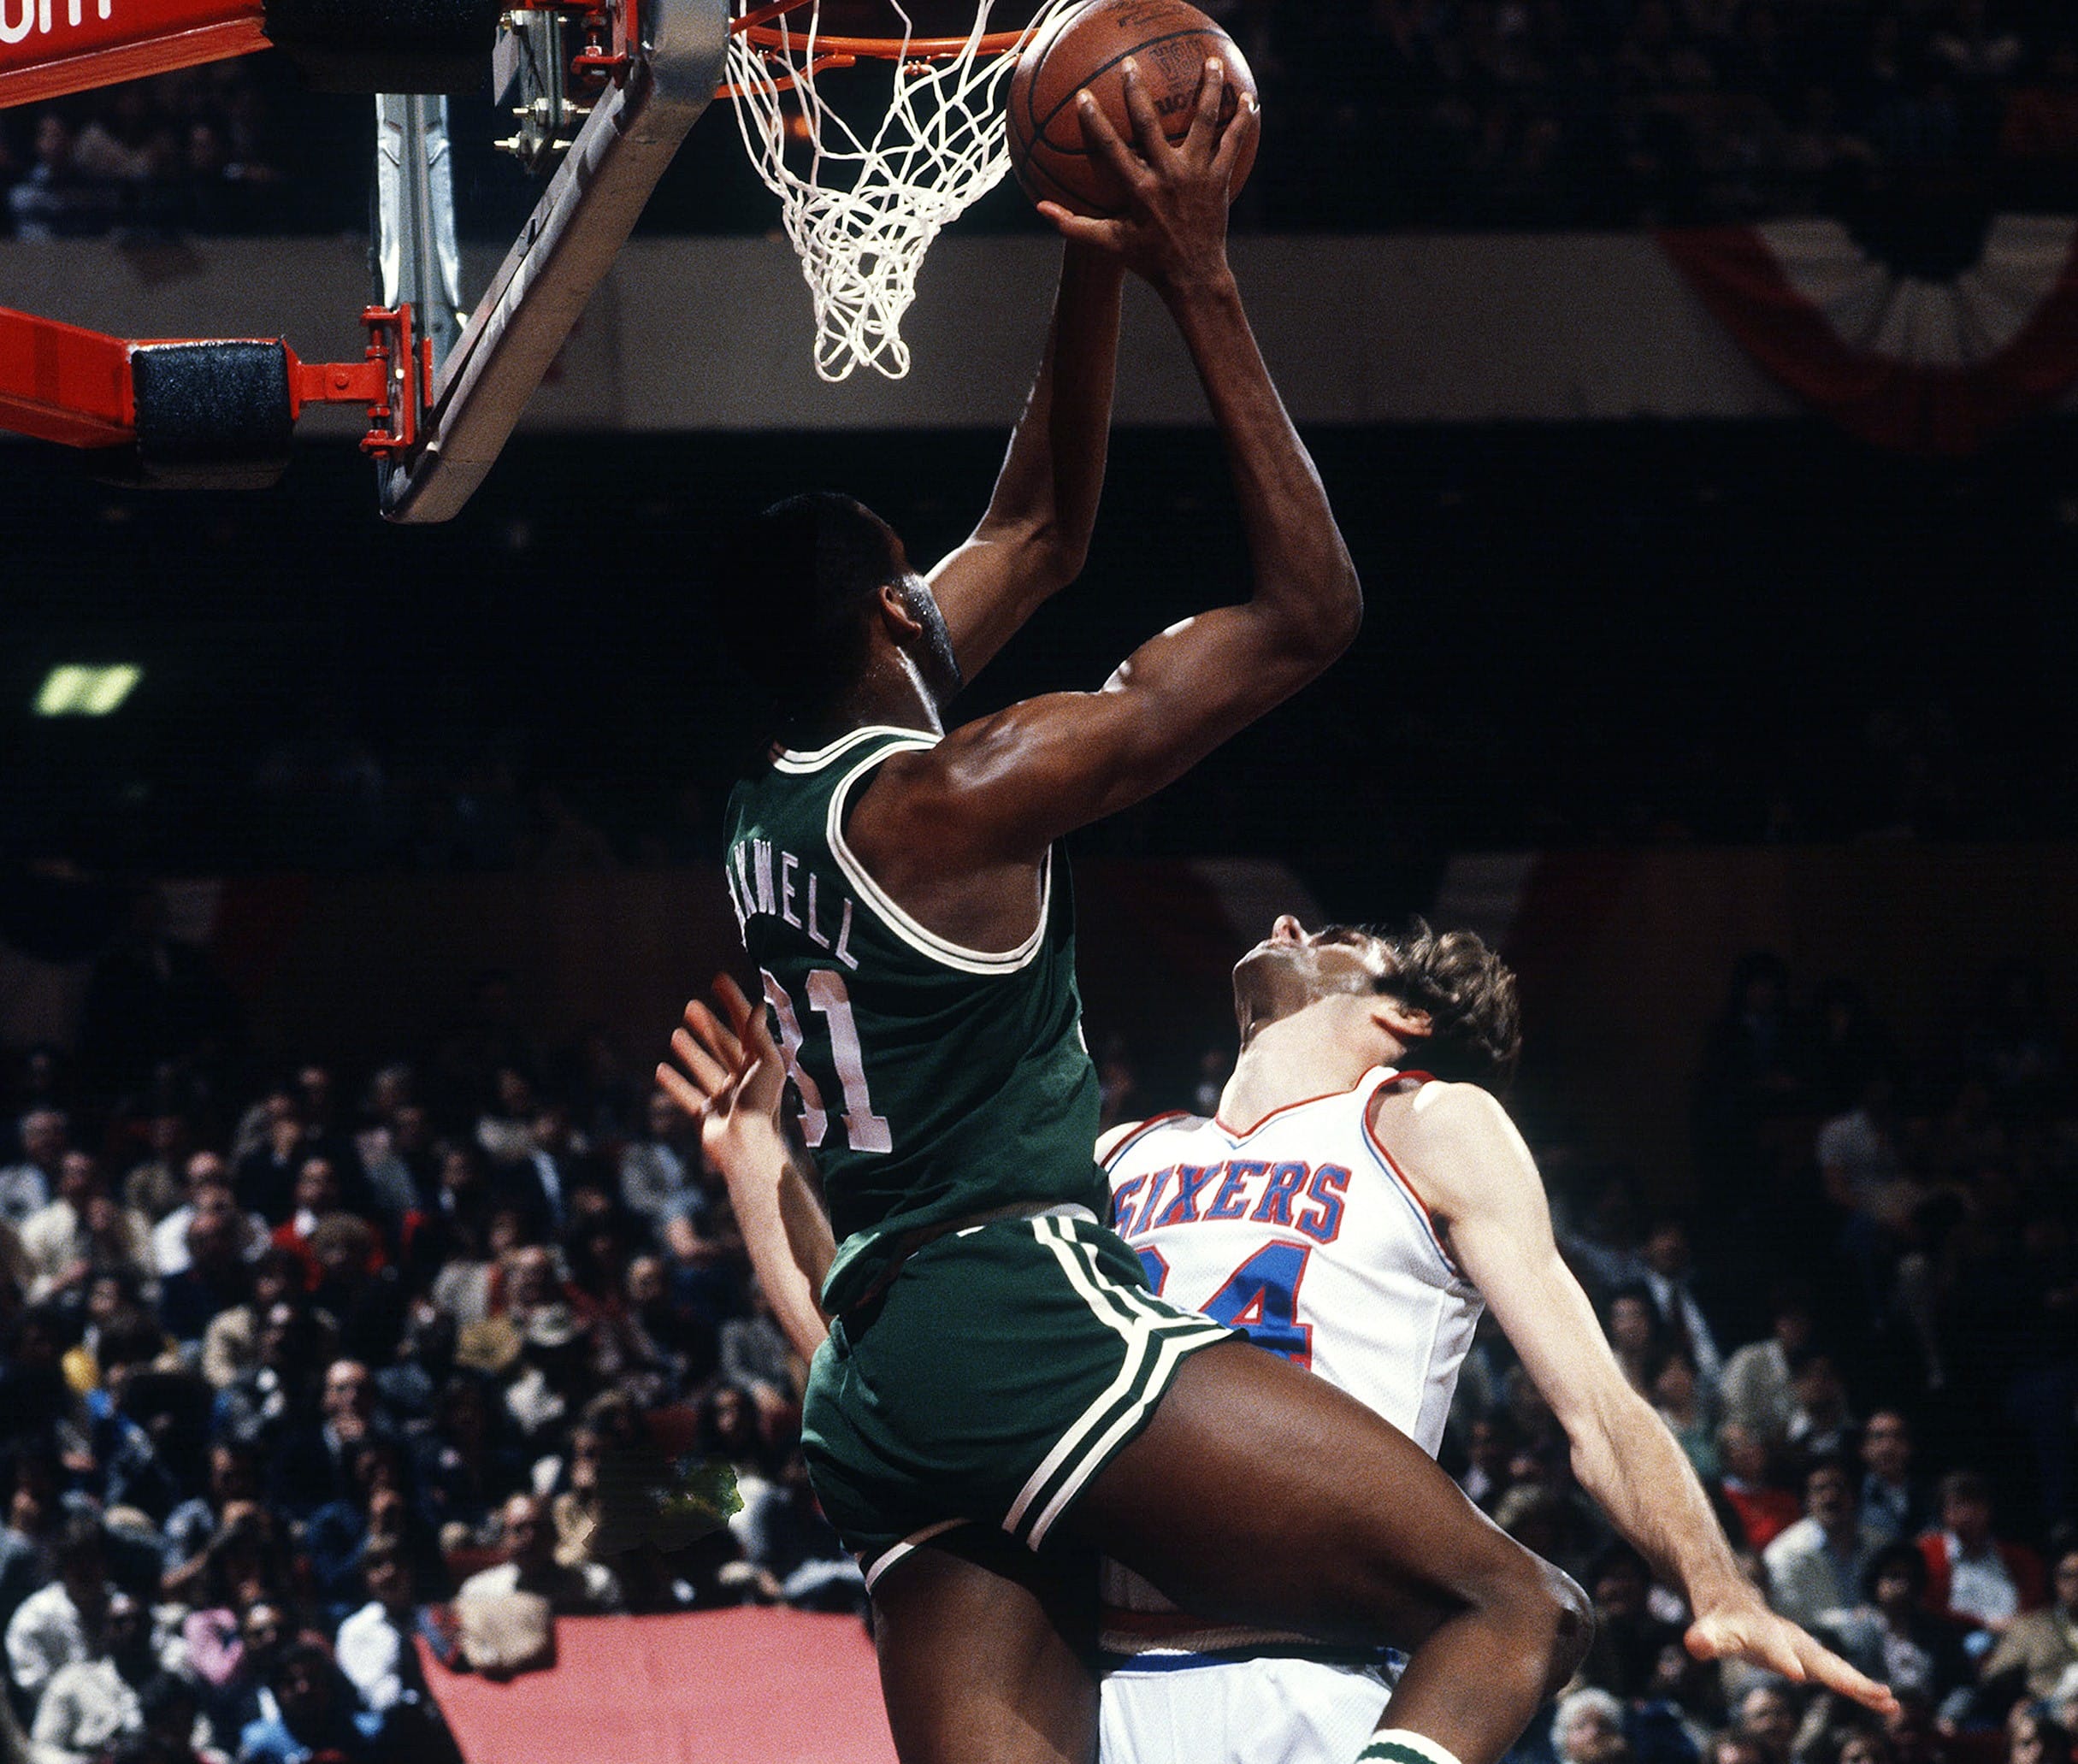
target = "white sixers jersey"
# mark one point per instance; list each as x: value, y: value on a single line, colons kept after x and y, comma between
x: 1303, y: 1232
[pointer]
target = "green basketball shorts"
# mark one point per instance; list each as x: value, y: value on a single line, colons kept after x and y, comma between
x: 1004, y: 1366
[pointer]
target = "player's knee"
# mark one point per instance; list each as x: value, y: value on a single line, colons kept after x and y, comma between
x: 1569, y: 1620
x: 1550, y: 1621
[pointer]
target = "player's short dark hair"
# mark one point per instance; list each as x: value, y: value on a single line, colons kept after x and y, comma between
x: 1475, y: 1019
x: 792, y: 588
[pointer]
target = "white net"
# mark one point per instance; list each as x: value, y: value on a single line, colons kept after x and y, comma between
x: 862, y: 211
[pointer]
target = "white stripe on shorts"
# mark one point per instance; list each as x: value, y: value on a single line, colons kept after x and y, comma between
x: 895, y: 1552
x: 1141, y: 1332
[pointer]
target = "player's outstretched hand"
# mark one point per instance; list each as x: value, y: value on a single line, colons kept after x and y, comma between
x: 729, y: 1076
x: 1743, y: 1628
x: 1173, y: 232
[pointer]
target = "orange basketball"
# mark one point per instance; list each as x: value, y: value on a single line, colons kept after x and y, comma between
x: 1169, y: 40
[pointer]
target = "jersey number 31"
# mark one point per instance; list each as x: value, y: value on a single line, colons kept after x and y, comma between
x: 864, y: 1130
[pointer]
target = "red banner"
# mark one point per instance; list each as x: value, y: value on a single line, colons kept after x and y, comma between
x: 1920, y: 366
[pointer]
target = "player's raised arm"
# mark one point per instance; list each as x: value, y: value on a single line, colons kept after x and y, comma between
x: 1471, y: 1167
x: 1032, y: 542
x: 730, y: 1079
x: 999, y: 789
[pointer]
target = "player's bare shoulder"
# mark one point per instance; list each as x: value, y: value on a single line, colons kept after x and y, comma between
x: 1455, y: 1142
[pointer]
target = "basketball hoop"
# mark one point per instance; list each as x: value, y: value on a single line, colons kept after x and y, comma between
x: 861, y: 209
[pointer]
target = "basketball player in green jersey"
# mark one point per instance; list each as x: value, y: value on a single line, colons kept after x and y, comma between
x: 1002, y: 1397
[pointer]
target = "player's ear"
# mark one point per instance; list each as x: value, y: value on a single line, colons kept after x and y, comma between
x: 892, y: 604
x: 1403, y: 1021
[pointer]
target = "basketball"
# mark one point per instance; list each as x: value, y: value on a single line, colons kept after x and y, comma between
x: 1170, y: 41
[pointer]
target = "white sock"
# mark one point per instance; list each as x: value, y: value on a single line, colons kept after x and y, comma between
x: 1399, y: 1745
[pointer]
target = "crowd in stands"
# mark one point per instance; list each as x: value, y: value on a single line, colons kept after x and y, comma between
x: 1597, y: 113
x: 185, y: 153
x: 1484, y: 112
x: 299, y: 1373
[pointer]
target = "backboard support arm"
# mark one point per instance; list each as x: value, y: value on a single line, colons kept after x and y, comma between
x: 561, y: 255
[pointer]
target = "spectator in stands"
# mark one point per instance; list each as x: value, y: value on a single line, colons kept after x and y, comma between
x: 1974, y: 1578
x: 1732, y: 1747
x: 266, y: 1171
x: 790, y: 1543
x: 2034, y: 1737
x: 1667, y: 1270
x: 757, y: 1359
x: 1754, y: 1393
x: 1588, y: 1728
x: 313, y: 1461
x: 1821, y: 1423
x: 1625, y: 1658
x: 316, y: 1195
x: 204, y: 1172
x: 506, y: 1129
x: 156, y: 1182
x: 233, y: 1649
x: 1491, y: 1446
x: 356, y: 1288
x: 375, y: 1511
x: 656, y: 1181
x: 2041, y: 1646
x: 467, y: 1468
x: 1676, y: 1393
x: 1635, y: 1335
x: 400, y: 1159
x: 377, y: 1645
x: 231, y: 1346
x: 50, y: 201
x: 530, y: 1566
x: 26, y: 1187
x: 1893, y: 1501
x: 216, y: 1276
x: 1765, y: 1508
x: 1769, y: 1714
x: 66, y: 1621
x: 88, y: 1702
x: 1893, y: 1637
x: 233, y: 1486
x: 1817, y: 1565
x: 315, y: 1713
x: 85, y: 1229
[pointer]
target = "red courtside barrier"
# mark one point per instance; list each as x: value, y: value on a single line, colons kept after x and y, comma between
x: 701, y: 1687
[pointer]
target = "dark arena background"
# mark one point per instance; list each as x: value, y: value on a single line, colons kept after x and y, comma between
x: 1693, y: 381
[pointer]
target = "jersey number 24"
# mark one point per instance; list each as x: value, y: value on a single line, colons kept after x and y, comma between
x: 1260, y: 1296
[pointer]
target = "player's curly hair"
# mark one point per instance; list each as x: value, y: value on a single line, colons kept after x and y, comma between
x: 792, y: 590
x: 1469, y: 992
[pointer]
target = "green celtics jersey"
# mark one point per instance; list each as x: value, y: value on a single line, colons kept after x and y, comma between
x: 934, y: 1081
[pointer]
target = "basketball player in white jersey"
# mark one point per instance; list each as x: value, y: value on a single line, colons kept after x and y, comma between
x: 1355, y: 1203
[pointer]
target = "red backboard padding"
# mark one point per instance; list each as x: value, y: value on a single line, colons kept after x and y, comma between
x: 706, y: 1687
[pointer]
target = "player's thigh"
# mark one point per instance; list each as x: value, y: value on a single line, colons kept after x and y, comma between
x: 1260, y: 1493
x: 986, y: 1652
x: 1244, y: 1712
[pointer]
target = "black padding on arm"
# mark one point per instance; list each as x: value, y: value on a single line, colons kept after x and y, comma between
x: 388, y: 45
x: 212, y: 416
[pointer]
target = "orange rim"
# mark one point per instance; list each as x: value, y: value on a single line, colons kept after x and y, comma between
x: 753, y: 27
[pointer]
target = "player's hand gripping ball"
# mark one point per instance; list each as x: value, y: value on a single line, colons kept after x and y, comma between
x: 1169, y: 43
